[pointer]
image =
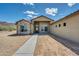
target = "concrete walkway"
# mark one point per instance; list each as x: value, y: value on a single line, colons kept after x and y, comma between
x: 28, y: 48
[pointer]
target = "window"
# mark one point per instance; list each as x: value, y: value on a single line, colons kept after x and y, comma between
x: 64, y: 24
x: 23, y: 28
x: 59, y: 25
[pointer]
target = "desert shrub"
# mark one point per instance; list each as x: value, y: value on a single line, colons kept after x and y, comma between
x: 7, y: 28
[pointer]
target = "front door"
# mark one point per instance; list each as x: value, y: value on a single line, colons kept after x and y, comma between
x: 44, y: 29
x: 37, y: 28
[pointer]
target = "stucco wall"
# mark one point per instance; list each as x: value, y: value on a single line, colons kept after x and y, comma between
x: 32, y: 29
x: 70, y: 31
x: 23, y: 23
x: 41, y: 19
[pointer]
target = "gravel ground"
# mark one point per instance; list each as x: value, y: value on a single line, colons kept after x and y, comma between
x: 47, y: 46
x: 9, y: 42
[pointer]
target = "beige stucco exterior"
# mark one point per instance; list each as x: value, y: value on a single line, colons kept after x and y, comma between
x: 41, y: 22
x: 41, y: 18
x: 70, y: 31
x: 25, y: 23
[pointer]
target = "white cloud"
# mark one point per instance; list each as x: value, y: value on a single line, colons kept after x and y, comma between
x: 32, y: 16
x: 71, y: 4
x: 30, y: 12
x: 35, y: 16
x: 32, y: 4
x: 51, y: 11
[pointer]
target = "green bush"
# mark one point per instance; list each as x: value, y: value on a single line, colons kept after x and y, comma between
x: 7, y: 28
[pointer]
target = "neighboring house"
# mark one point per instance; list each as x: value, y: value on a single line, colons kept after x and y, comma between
x: 67, y: 27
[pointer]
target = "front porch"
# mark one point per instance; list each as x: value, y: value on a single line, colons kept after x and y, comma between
x: 41, y: 26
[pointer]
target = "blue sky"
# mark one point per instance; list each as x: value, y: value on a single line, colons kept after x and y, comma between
x: 12, y: 12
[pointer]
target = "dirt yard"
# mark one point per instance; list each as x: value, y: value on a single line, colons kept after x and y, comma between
x: 47, y: 46
x: 9, y: 42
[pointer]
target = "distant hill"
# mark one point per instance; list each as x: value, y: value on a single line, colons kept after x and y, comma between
x: 6, y: 24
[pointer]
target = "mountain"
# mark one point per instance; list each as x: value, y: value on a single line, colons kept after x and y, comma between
x: 6, y: 24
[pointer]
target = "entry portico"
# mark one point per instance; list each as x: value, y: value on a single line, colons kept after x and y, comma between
x: 41, y: 24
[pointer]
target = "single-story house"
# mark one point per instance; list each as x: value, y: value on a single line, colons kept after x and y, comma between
x: 67, y: 27
x: 40, y: 24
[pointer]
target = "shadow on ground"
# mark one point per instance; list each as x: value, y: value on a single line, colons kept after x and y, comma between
x: 18, y: 35
x: 68, y: 43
